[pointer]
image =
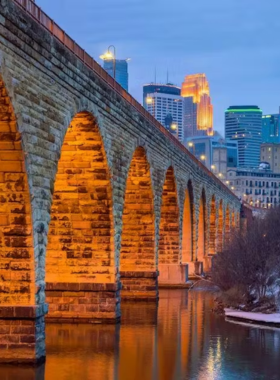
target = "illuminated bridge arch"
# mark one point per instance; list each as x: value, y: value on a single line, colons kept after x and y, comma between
x: 80, y: 250
x: 220, y: 237
x: 17, y: 280
x: 227, y: 225
x: 212, y: 227
x: 169, y: 231
x: 137, y: 256
x: 201, y: 238
x: 188, y: 220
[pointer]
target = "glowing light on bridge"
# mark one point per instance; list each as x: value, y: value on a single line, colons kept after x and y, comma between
x: 197, y: 87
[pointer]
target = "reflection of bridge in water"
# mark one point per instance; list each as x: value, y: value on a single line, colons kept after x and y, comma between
x: 182, y: 339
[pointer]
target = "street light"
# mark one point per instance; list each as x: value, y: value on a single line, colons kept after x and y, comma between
x: 110, y: 56
x: 173, y: 127
x: 213, y: 167
x: 203, y: 157
x: 151, y: 101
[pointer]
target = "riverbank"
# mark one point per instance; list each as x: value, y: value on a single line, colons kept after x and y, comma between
x: 252, y: 317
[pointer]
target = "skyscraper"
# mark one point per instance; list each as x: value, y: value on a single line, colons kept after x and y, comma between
x: 244, y: 125
x: 198, y: 110
x: 216, y: 153
x: 165, y: 103
x: 121, y: 69
x: 270, y: 128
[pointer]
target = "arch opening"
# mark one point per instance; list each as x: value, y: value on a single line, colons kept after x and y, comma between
x: 201, y: 240
x: 187, y: 235
x: 212, y: 230
x: 80, y: 240
x: 80, y: 250
x: 233, y: 220
x: 227, y: 226
x: 169, y: 222
x: 220, y: 236
x: 17, y: 271
x: 22, y: 249
x: 137, y: 256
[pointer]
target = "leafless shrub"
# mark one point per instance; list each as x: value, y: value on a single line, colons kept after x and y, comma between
x: 249, y: 266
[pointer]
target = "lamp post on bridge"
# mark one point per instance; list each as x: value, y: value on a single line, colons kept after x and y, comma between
x: 110, y: 56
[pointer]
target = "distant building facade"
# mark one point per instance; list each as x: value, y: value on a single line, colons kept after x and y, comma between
x: 270, y: 153
x: 198, y: 110
x: 216, y: 153
x: 121, y: 70
x: 244, y: 125
x: 258, y: 187
x: 165, y: 103
x: 270, y: 128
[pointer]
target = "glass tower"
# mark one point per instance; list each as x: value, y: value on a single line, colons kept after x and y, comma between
x: 244, y: 125
x: 270, y: 129
x: 165, y: 103
x: 198, y: 110
x: 121, y: 70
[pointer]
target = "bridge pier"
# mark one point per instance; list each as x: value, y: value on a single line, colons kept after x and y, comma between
x: 83, y: 302
x: 173, y: 274
x: 139, y: 285
x: 22, y: 334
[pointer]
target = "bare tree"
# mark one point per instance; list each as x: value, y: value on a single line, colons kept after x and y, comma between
x: 249, y: 266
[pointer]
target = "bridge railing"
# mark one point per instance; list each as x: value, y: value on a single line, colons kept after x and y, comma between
x: 43, y: 19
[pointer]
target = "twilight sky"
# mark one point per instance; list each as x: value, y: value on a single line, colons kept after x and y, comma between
x: 234, y: 42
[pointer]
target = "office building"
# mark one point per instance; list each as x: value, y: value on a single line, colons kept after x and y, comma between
x: 120, y: 66
x: 216, y: 153
x: 270, y: 154
x: 259, y: 187
x: 270, y: 129
x: 198, y: 110
x: 244, y: 125
x: 165, y: 103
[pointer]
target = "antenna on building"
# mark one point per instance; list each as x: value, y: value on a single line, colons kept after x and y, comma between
x: 155, y: 74
x: 167, y: 77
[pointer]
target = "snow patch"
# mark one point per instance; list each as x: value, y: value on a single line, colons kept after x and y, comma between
x: 260, y: 317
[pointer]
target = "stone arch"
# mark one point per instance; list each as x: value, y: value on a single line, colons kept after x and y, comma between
x: 80, y: 240
x: 169, y: 230
x: 201, y: 239
x: 17, y: 280
x: 138, y: 230
x: 220, y: 236
x: 233, y: 220
x: 137, y: 255
x: 188, y: 217
x: 212, y: 227
x: 80, y: 250
x: 227, y: 225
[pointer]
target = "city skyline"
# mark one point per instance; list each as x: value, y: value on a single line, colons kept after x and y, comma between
x: 241, y: 63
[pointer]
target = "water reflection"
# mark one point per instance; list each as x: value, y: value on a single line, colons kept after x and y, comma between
x: 179, y: 339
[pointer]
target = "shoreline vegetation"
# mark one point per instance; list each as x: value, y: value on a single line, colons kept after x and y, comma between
x: 247, y: 272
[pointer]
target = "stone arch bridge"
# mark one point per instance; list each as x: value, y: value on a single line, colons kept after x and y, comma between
x: 97, y: 200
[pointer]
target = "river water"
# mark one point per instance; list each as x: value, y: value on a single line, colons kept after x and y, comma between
x: 180, y: 339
